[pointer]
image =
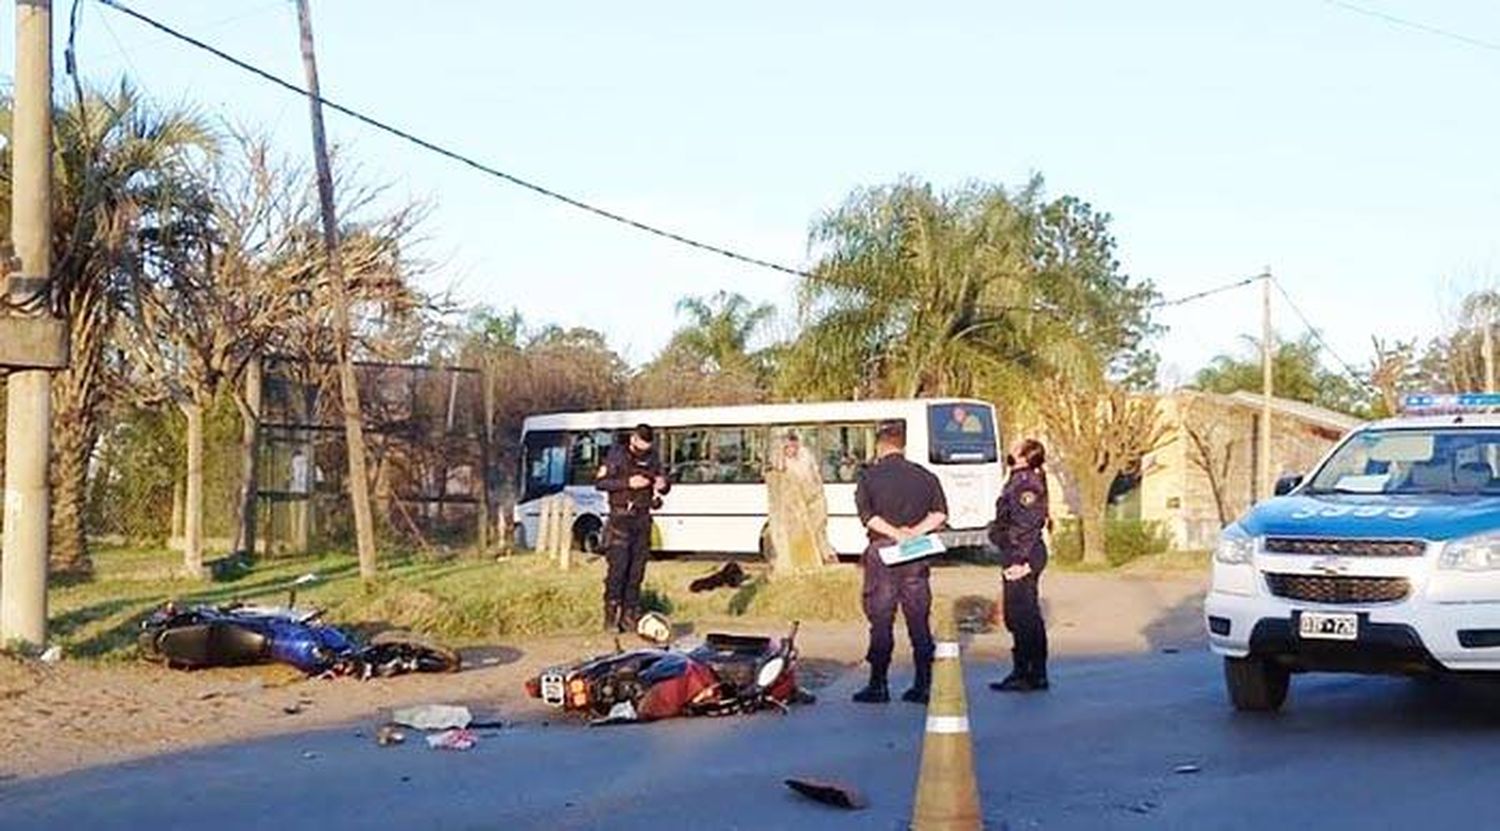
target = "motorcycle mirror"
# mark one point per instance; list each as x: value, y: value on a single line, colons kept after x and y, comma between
x: 770, y: 671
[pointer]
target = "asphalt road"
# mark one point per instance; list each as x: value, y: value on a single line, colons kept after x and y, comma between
x: 1100, y: 751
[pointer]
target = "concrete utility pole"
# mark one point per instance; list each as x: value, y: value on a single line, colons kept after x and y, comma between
x: 1489, y: 348
x: 1267, y: 359
x: 31, y: 342
x: 354, y: 435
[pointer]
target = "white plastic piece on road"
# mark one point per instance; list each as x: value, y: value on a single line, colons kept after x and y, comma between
x: 433, y: 716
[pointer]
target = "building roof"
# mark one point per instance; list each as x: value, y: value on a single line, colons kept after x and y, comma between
x: 1300, y: 410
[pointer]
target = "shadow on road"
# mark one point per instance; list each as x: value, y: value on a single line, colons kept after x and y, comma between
x: 1179, y: 627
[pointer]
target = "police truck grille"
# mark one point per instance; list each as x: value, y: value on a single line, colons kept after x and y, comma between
x: 1316, y: 588
x: 1333, y: 547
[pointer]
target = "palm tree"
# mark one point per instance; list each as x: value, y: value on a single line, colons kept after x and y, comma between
x: 115, y: 162
x: 921, y: 293
x: 720, y: 329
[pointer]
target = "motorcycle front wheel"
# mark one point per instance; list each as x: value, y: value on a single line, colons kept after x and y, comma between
x: 412, y: 653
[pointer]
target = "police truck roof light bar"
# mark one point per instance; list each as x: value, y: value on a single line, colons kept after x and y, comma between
x: 1450, y: 403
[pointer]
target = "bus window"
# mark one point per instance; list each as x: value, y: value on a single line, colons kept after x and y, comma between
x: 587, y: 455
x: 961, y: 434
x: 739, y: 455
x: 688, y: 456
x: 846, y: 448
x: 546, y: 465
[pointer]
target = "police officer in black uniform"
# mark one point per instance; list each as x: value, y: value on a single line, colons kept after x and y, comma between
x: 632, y: 476
x: 1020, y: 517
x: 897, y: 500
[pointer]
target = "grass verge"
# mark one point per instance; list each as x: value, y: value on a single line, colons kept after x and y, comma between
x: 459, y: 601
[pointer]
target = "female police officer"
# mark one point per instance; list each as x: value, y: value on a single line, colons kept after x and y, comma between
x: 1020, y: 517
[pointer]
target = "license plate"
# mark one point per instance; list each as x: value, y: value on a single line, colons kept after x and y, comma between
x: 1330, y: 626
x: 554, y: 690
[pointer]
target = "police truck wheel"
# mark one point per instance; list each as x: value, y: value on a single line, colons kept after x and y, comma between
x: 1256, y: 685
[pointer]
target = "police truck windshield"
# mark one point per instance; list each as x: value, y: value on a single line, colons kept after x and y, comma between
x: 962, y: 434
x: 1413, y: 461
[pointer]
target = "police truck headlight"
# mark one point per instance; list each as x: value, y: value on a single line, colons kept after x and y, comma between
x: 1480, y: 552
x: 1235, y: 546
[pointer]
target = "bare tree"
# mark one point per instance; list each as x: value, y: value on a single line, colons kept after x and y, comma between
x: 1099, y: 430
x: 1211, y: 442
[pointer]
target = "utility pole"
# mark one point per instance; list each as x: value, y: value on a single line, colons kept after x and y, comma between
x: 1267, y: 359
x: 354, y: 435
x: 32, y: 341
x: 1489, y: 348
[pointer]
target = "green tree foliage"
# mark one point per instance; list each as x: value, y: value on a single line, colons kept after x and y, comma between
x: 972, y: 291
x: 1298, y: 374
x: 710, y: 360
x: 116, y: 159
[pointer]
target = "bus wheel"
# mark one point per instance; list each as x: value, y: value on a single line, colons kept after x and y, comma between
x: 588, y: 535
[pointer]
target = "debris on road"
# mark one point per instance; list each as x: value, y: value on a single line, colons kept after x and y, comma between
x: 52, y: 655
x: 1186, y: 769
x: 457, y: 739
x: 829, y: 793
x: 433, y: 716
x: 622, y: 713
x: 389, y: 735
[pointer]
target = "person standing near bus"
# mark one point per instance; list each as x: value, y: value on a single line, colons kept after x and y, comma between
x: 897, y: 501
x: 1020, y: 518
x: 632, y: 476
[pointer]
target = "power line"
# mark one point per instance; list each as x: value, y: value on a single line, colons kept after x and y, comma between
x: 1199, y: 295
x: 452, y: 154
x: 1318, y: 336
x: 1413, y: 24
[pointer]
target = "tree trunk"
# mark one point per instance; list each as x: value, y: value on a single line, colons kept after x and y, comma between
x: 1093, y: 509
x: 70, y: 473
x: 192, y: 533
x: 245, y: 516
x: 1091, y: 526
x: 486, y: 455
x: 174, y: 535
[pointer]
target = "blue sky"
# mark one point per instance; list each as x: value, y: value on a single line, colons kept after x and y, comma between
x: 1355, y: 158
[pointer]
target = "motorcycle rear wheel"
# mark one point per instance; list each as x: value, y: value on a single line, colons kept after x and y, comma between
x: 430, y: 656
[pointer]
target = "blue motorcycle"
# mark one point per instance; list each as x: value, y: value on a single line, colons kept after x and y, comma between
x: 238, y: 634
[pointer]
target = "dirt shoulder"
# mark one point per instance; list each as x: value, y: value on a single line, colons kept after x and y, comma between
x: 78, y: 714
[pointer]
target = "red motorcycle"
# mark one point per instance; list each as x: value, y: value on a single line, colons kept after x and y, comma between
x: 726, y: 674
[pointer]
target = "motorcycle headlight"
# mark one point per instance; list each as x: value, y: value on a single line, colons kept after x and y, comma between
x: 1235, y: 546
x: 1480, y: 552
x: 770, y: 671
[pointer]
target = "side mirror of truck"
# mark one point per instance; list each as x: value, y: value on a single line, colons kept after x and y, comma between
x: 1287, y: 484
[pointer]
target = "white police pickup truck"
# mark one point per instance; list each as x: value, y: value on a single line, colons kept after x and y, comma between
x: 1386, y: 559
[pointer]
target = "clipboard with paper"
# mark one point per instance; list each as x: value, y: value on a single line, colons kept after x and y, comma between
x: 917, y: 548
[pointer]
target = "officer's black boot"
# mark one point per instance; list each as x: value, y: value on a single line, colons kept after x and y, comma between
x: 1018, y: 679
x: 875, y: 692
x: 611, y: 616
x: 1037, y: 673
x: 630, y: 617
x: 921, y: 686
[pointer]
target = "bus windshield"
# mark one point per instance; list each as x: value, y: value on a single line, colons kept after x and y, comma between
x: 962, y: 434
x: 1398, y: 461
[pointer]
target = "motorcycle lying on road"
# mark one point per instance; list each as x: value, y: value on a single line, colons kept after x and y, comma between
x: 237, y: 634
x: 726, y: 674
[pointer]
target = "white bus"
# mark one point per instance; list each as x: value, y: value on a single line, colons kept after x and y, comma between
x: 715, y: 457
